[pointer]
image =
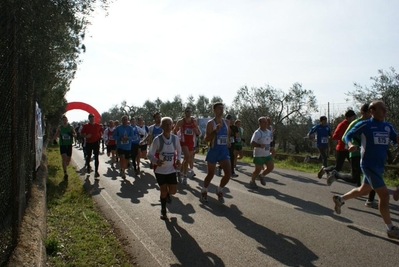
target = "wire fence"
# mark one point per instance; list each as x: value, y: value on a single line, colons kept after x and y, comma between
x: 17, y: 138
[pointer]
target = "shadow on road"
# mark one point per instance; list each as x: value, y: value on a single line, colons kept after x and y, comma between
x: 285, y: 249
x: 372, y: 235
x: 138, y: 188
x: 187, y: 250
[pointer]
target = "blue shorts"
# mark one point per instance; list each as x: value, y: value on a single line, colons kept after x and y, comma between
x: 373, y: 177
x: 217, y: 155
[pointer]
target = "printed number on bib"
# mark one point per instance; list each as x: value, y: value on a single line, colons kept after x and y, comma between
x: 125, y: 142
x: 267, y: 147
x: 221, y: 140
x: 188, y: 131
x: 231, y: 139
x: 66, y: 136
x: 167, y: 157
x: 381, y: 138
x: 324, y: 140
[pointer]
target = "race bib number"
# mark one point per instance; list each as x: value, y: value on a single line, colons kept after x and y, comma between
x: 221, y: 140
x: 167, y: 156
x: 135, y: 138
x: 267, y: 147
x: 125, y: 142
x: 188, y: 131
x: 231, y: 139
x: 111, y: 138
x: 324, y: 140
x: 66, y: 136
x: 381, y: 138
x: 238, y: 139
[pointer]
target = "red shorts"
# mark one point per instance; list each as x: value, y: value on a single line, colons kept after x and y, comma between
x: 190, y: 145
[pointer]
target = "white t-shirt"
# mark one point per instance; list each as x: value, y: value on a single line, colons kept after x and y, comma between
x: 167, y: 154
x: 262, y: 138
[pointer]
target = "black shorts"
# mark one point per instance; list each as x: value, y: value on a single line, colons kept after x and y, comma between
x: 111, y: 148
x: 238, y: 148
x: 124, y: 152
x: 143, y: 147
x: 166, y: 178
x: 66, y: 149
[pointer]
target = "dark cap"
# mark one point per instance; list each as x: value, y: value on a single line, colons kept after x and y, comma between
x: 63, y: 116
x: 229, y: 117
x: 350, y: 113
x: 91, y: 115
x: 323, y: 118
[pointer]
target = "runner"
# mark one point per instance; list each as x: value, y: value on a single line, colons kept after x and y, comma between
x: 238, y: 142
x: 217, y: 136
x: 143, y: 132
x: 260, y: 141
x: 135, y: 145
x: 375, y: 136
x: 234, y: 133
x: 354, y: 176
x: 66, y: 133
x: 188, y: 126
x: 323, y: 133
x: 110, y: 142
x: 341, y: 152
x: 165, y: 153
x: 123, y: 135
x: 92, y: 132
x: 154, y: 129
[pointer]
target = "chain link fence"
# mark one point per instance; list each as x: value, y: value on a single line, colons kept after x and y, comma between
x: 17, y: 137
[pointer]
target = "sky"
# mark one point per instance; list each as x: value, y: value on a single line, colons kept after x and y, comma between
x: 148, y: 49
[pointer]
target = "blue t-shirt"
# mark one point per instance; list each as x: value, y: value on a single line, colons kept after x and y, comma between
x: 136, y: 136
x: 375, y: 137
x: 123, y: 131
x: 322, y: 132
x: 220, y: 141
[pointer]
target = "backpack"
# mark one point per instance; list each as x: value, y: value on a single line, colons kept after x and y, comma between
x: 161, y: 144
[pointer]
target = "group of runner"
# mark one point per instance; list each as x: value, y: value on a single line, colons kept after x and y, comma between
x: 364, y: 142
x: 168, y: 141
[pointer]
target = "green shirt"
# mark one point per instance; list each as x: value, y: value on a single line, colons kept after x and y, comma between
x: 355, y: 140
x: 66, y: 137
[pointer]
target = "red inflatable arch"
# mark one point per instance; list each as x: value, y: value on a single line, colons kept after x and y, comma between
x: 85, y: 107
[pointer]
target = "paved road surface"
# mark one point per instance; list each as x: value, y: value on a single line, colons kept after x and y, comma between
x: 289, y: 222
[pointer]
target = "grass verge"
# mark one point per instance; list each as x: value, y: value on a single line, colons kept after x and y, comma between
x: 391, y: 177
x: 77, y: 234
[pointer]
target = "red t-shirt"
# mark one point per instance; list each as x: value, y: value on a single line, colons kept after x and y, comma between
x: 338, y: 133
x: 95, y: 130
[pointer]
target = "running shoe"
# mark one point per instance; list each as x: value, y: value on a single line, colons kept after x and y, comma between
x: 393, y: 233
x: 331, y: 178
x: 220, y: 196
x: 65, y: 176
x: 253, y: 185
x: 262, y: 179
x: 234, y: 174
x: 321, y: 172
x: 97, y: 174
x: 89, y: 169
x: 338, y: 204
x: 219, y: 171
x: 179, y: 178
x: 184, y: 180
x: 204, y: 196
x: 164, y: 216
x: 307, y: 159
x: 371, y: 204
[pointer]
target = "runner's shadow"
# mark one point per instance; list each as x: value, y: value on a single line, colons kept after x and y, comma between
x: 92, y: 188
x: 276, y: 245
x: 185, y: 210
x: 112, y: 173
x: 298, y: 178
x: 187, y: 250
x: 138, y: 188
x: 376, y: 213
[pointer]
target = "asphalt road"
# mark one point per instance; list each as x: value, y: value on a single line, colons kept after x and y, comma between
x: 288, y: 222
